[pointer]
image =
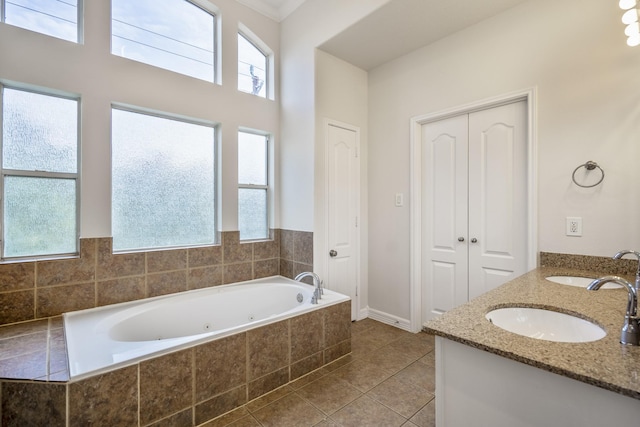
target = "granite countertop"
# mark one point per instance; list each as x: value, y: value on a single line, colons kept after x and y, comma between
x: 604, y: 363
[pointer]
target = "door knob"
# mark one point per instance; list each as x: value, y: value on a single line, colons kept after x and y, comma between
x: 333, y: 253
x: 474, y: 240
x: 460, y: 239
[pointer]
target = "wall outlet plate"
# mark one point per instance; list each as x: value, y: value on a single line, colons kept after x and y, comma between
x: 574, y: 226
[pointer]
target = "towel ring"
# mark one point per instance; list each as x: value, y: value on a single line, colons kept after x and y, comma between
x: 588, y: 166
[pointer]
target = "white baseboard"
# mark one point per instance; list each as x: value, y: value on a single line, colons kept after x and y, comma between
x: 389, y: 319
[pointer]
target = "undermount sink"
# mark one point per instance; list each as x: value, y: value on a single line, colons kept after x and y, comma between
x: 545, y: 324
x: 581, y: 282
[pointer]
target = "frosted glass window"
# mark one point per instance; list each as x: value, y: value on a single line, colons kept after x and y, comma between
x: 252, y: 68
x: 39, y: 166
x: 172, y: 34
x: 253, y: 183
x: 163, y: 189
x: 56, y: 18
x: 39, y: 216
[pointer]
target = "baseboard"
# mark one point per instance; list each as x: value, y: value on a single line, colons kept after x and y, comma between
x: 390, y: 319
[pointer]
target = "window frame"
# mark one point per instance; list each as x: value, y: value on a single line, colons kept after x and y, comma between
x: 41, y: 174
x: 79, y: 22
x: 215, y: 172
x: 269, y: 71
x: 267, y: 172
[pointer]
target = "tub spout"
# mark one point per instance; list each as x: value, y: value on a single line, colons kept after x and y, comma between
x: 630, y: 329
x: 317, y: 283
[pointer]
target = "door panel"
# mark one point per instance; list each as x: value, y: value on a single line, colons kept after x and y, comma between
x: 444, y: 211
x: 342, y: 211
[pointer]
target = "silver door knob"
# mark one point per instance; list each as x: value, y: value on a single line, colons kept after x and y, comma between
x: 474, y: 240
x: 333, y: 253
x: 460, y: 239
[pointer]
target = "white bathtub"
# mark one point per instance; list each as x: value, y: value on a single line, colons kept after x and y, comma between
x: 103, y: 338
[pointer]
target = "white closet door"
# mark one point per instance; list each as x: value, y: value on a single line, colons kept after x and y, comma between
x: 444, y: 215
x: 497, y: 196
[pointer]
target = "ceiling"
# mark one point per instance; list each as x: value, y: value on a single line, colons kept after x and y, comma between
x: 395, y: 29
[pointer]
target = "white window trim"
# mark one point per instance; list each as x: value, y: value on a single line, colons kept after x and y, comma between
x: 267, y: 186
x: 250, y: 36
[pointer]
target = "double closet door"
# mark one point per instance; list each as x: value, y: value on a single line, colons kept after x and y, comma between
x: 474, y: 205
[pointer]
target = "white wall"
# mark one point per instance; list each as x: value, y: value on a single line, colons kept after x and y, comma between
x: 574, y: 52
x: 89, y: 70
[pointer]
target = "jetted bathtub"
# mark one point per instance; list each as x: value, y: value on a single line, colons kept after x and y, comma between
x: 103, y: 338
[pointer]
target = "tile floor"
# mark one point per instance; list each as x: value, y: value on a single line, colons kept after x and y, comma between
x: 388, y: 380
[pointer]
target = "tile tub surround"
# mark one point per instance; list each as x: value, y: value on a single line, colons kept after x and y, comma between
x: 604, y: 363
x: 190, y: 386
x: 48, y: 288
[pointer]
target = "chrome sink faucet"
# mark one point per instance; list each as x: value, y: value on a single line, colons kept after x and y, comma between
x: 630, y: 334
x: 317, y: 283
x: 620, y: 254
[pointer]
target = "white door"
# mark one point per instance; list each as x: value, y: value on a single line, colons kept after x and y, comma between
x: 343, y: 187
x: 497, y: 196
x: 474, y: 205
x: 444, y: 210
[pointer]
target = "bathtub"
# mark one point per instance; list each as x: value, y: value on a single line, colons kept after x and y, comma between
x: 105, y: 338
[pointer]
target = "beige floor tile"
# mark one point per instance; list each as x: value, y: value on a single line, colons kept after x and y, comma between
x: 419, y: 374
x: 382, y: 334
x: 426, y: 417
x: 228, y: 418
x: 309, y: 378
x: 365, y: 412
x: 262, y: 401
x: 361, y: 325
x: 362, y: 374
x: 429, y: 359
x: 414, y: 346
x: 247, y: 421
x: 329, y: 394
x: 403, y: 398
x: 290, y: 411
x: 409, y: 424
x: 390, y: 358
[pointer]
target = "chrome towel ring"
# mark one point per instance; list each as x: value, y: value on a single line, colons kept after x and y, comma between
x: 588, y: 166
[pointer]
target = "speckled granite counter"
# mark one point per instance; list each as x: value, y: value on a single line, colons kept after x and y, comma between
x: 604, y: 363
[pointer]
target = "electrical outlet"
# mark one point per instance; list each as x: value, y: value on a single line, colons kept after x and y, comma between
x: 574, y: 226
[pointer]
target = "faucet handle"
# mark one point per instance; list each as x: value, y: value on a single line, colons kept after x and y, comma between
x: 630, y: 334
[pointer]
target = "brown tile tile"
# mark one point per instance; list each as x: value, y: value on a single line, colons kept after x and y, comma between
x: 247, y: 421
x: 286, y: 244
x: 405, y: 399
x: 53, y: 301
x: 56, y: 322
x: 18, y: 276
x: 362, y: 374
x: 329, y: 393
x: 415, y: 345
x: 268, y: 398
x: 390, y: 359
x: 233, y: 250
x: 110, y: 399
x: 181, y: 419
x: 16, y: 306
x: 166, y: 283
x: 58, y: 272
x: 290, y: 411
x: 166, y: 385
x: 233, y: 273
x: 304, y: 366
x: 338, y: 363
x: 308, y: 378
x: 220, y: 366
x: 382, y: 334
x: 337, y: 323
x: 221, y: 404
x: 204, y: 256
x: 300, y: 268
x: 303, y: 247
x: 418, y: 374
x: 307, y: 335
x: 175, y: 259
x: 26, y: 328
x: 362, y: 325
x: 204, y: 277
x: 117, y: 265
x: 337, y: 351
x: 266, y: 268
x: 429, y: 359
x: 266, y: 249
x: 33, y: 404
x: 114, y: 291
x: 286, y: 268
x: 367, y: 412
x: 426, y: 417
x: 268, y: 349
x: 268, y: 383
x: 363, y: 346
x: 23, y: 344
x: 228, y: 418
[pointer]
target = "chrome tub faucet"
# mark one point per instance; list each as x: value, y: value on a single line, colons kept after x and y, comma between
x: 317, y: 283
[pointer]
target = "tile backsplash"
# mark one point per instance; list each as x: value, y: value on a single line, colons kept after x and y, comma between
x: 41, y: 289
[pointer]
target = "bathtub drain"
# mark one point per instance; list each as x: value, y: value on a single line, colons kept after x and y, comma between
x: 206, y: 326
x: 251, y: 317
x: 300, y: 297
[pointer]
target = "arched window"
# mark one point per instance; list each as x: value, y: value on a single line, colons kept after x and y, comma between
x: 253, y: 67
x: 56, y: 18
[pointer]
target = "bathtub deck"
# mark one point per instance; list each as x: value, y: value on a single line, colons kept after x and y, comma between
x: 34, y: 350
